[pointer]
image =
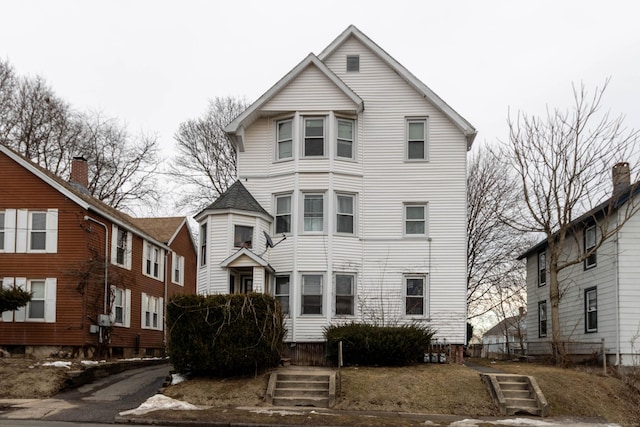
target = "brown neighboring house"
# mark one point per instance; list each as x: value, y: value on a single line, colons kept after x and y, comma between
x: 54, y: 241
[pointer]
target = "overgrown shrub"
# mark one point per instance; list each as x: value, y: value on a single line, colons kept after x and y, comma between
x: 224, y: 335
x: 378, y: 345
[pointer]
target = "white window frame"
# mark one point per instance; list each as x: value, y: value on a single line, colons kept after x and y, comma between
x: 115, y: 244
x: 203, y: 244
x: 24, y: 230
x: 2, y: 231
x: 238, y: 244
x: 425, y: 139
x: 304, y: 213
x: 152, y: 312
x: 344, y: 296
x: 39, y: 231
x: 589, y: 309
x: 49, y: 300
x: 283, y: 296
x: 280, y: 140
x: 591, y: 261
x: 407, y: 220
x: 352, y: 214
x: 125, y: 305
x: 542, y: 268
x: 352, y: 139
x: 306, y: 292
x: 352, y: 64
x: 542, y: 319
x: 152, y: 260
x: 314, y: 137
x: 177, y: 267
x: 423, y: 297
x: 283, y: 214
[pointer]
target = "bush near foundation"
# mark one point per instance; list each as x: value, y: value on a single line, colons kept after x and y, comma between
x: 224, y: 335
x: 371, y: 345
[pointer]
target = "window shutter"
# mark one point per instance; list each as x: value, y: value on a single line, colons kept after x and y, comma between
x: 7, y: 283
x: 144, y: 305
x: 20, y: 314
x: 161, y: 313
x: 21, y: 230
x: 127, y: 308
x: 10, y: 231
x: 50, y: 299
x: 52, y: 232
x: 129, y: 249
x: 114, y: 242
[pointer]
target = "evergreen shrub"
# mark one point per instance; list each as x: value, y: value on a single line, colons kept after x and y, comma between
x: 372, y: 345
x: 224, y: 335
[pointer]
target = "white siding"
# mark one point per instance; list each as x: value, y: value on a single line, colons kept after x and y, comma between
x: 629, y: 291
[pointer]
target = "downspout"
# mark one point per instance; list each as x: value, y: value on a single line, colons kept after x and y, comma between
x: 617, y: 290
x: 164, y: 305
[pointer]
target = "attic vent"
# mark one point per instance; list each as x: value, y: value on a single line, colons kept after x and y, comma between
x: 353, y: 62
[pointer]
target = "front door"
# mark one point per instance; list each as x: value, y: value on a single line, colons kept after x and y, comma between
x: 247, y: 284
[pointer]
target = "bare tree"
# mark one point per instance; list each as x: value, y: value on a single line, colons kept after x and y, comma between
x: 563, y: 163
x: 206, y: 159
x: 493, y: 273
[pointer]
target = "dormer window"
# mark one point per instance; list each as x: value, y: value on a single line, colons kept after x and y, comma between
x: 353, y: 63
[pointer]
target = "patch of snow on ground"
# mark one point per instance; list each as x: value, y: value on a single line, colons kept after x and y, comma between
x: 280, y: 412
x: 177, y: 379
x: 527, y: 422
x: 58, y: 364
x: 157, y: 402
x: 89, y: 362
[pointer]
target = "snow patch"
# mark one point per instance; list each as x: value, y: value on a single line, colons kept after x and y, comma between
x: 157, y: 402
x: 177, y: 379
x: 58, y: 364
x: 88, y: 362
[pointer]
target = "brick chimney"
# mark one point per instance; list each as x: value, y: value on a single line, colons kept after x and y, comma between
x: 621, y: 178
x: 80, y: 171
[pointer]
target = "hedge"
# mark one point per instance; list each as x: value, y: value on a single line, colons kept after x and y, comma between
x: 371, y: 345
x: 224, y: 335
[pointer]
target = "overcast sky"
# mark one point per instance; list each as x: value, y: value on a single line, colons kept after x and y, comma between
x: 155, y: 64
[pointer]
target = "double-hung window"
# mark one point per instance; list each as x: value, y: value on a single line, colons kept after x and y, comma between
x: 284, y: 140
x: 153, y: 261
x: 121, y: 242
x: 177, y: 265
x: 415, y: 218
x: 243, y: 236
x: 313, y: 212
x: 121, y: 246
x: 417, y: 139
x: 345, y: 141
x: 37, y: 231
x: 542, y: 268
x: 345, y: 287
x: 345, y: 219
x: 283, y: 214
x: 589, y: 245
x: 313, y: 137
x: 35, y: 307
x: 203, y: 244
x: 591, y: 310
x: 312, y: 293
x: 542, y: 319
x: 118, y: 306
x: 282, y: 291
x: 415, y: 294
x: 152, y: 309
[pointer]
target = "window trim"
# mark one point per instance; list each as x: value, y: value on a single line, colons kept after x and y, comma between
x: 350, y: 66
x: 324, y: 214
x: 280, y: 296
x: 147, y: 323
x: 425, y: 292
x: 126, y: 307
x: 42, y: 300
x: 3, y: 232
x: 352, y: 295
x: 152, y: 261
x: 589, y: 329
x: 353, y: 138
x: 177, y: 261
x: 303, y: 294
x: 115, y: 229
x: 278, y: 140
x: 352, y: 214
x: 425, y: 220
x: 542, y: 272
x: 203, y: 244
x: 425, y: 140
x: 591, y: 261
x: 304, y: 137
x: 541, y: 304
x: 278, y: 214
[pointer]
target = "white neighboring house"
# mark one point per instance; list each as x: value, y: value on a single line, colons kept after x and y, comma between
x: 600, y: 296
x: 507, y: 338
x: 363, y: 169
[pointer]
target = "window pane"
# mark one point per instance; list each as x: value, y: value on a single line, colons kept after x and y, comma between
x: 345, y: 149
x: 415, y: 227
x: 314, y: 147
x: 284, y: 130
x: 39, y: 221
x: 313, y: 213
x: 119, y: 315
x: 285, y: 149
x: 416, y: 150
x: 283, y: 205
x: 415, y: 286
x: 38, y: 240
x: 345, y: 204
x: 282, y: 285
x: 118, y: 297
x: 345, y: 130
x: 344, y: 305
x: 345, y: 224
x: 344, y: 284
x: 284, y: 303
x: 415, y: 306
x: 36, y: 309
x: 283, y: 224
x: 37, y: 289
x: 312, y: 285
x: 416, y: 130
x: 312, y: 305
x: 415, y: 212
x: 314, y: 127
x: 314, y: 137
x: 243, y: 236
x: 590, y: 240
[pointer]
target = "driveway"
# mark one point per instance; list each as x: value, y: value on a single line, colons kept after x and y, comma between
x: 97, y: 402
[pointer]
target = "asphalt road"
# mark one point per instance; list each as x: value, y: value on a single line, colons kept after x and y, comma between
x: 98, y: 402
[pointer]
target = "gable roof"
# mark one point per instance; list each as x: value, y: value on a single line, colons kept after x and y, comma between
x: 257, y: 259
x: 163, y: 228
x: 507, y: 325
x: 247, y: 117
x: 465, y: 127
x: 238, y: 198
x: 82, y: 198
x: 612, y: 204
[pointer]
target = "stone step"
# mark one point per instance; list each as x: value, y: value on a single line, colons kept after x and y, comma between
x: 521, y: 394
x: 302, y: 384
x: 303, y: 377
x: 521, y: 403
x: 318, y: 402
x: 513, y: 385
x: 297, y: 392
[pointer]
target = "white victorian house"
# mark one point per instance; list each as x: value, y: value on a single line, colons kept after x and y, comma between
x: 350, y: 203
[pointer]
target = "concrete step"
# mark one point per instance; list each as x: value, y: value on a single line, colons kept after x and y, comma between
x: 519, y: 394
x: 293, y: 387
x: 297, y: 392
x: 521, y: 403
x: 513, y: 385
x: 516, y: 394
x: 303, y: 377
x: 318, y: 402
x: 302, y: 384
